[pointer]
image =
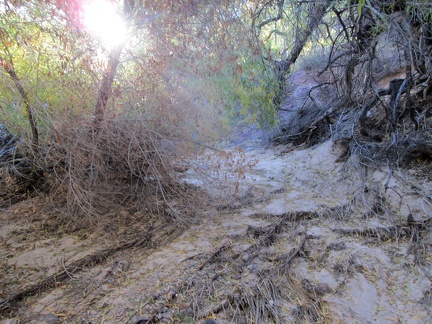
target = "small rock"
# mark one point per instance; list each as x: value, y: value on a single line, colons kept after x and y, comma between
x: 245, y: 257
x: 336, y: 246
x: 51, y: 319
x: 156, y: 296
x: 209, y: 321
x: 277, y: 191
x: 252, y: 268
x: 165, y: 317
x: 140, y: 319
x: 315, y: 231
x: 300, y: 230
x: 322, y: 288
x: 189, y: 312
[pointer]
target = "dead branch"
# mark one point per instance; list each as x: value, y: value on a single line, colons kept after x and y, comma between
x: 389, y: 176
x: 69, y: 270
x: 144, y: 241
x: 280, y: 5
x: 216, y: 309
x: 284, y: 266
x: 10, y: 70
x: 267, y: 235
x: 214, y: 255
x: 382, y: 233
x: 396, y: 88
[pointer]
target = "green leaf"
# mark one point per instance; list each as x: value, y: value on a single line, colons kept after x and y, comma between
x: 360, y: 6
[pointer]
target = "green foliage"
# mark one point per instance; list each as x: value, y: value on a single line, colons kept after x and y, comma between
x: 360, y: 6
x: 248, y: 89
x: 255, y: 92
x: 421, y: 9
x: 12, y: 117
x: 51, y: 61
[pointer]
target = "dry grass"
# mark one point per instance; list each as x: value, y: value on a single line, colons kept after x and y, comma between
x: 121, y: 163
x: 117, y: 170
x: 101, y: 174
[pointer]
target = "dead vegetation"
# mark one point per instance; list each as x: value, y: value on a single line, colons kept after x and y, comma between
x: 122, y: 176
x: 291, y: 267
x: 68, y: 272
x: 248, y: 279
x: 373, y: 91
x: 268, y: 288
x: 120, y: 180
x: 122, y: 164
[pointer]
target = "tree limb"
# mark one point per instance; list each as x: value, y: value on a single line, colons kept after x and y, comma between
x: 10, y: 70
x: 280, y: 5
x: 105, y: 89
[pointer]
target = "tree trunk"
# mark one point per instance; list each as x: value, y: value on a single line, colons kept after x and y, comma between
x: 27, y: 106
x: 105, y: 89
x: 283, y: 66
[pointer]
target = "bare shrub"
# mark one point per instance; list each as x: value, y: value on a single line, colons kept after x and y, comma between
x: 121, y: 164
x: 17, y: 175
x: 125, y: 168
x: 298, y: 125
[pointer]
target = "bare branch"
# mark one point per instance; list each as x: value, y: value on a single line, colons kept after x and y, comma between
x: 10, y: 70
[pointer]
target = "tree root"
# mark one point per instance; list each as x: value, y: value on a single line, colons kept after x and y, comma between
x: 412, y: 229
x: 383, y: 234
x: 215, y: 255
x: 145, y: 240
x: 284, y: 266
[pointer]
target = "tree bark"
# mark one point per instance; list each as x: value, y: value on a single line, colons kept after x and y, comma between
x: 105, y: 89
x: 10, y: 70
x: 283, y: 66
x: 315, y: 17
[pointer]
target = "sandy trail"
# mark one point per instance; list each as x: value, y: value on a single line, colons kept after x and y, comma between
x: 297, y: 238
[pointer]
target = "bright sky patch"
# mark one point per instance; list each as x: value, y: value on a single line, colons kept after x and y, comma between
x: 102, y: 19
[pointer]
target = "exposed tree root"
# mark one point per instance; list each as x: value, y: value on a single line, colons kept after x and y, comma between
x: 286, y: 263
x: 268, y: 235
x: 144, y: 241
x: 214, y: 255
x: 257, y: 299
x: 412, y: 228
x: 382, y: 233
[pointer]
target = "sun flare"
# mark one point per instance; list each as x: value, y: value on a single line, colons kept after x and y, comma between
x: 102, y: 20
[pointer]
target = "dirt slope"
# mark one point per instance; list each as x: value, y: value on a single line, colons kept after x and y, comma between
x: 299, y: 237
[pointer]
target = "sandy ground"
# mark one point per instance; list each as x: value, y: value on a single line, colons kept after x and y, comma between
x: 295, y: 237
